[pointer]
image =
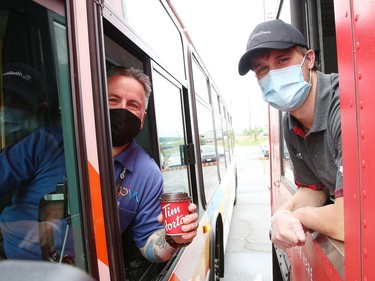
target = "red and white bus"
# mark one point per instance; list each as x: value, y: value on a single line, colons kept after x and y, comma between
x: 188, y: 130
x: 342, y: 34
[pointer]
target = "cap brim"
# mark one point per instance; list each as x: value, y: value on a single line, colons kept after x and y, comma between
x: 245, y: 62
x: 21, y: 92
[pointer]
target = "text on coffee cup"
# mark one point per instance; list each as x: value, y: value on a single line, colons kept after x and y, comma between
x: 169, y: 212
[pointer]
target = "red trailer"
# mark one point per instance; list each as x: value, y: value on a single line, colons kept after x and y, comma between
x: 342, y: 33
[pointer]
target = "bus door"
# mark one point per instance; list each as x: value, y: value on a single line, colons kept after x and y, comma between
x: 41, y: 128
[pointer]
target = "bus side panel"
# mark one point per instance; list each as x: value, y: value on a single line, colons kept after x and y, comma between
x: 347, y: 74
x: 274, y: 124
x: 194, y: 262
x: 198, y: 257
x: 364, y: 28
x: 229, y: 197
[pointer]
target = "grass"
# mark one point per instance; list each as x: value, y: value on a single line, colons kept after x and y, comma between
x: 250, y: 141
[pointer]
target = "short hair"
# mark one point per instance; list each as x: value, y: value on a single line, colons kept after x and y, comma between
x: 262, y: 53
x: 134, y: 73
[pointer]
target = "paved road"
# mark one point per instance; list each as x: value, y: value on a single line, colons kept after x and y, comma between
x: 248, y: 253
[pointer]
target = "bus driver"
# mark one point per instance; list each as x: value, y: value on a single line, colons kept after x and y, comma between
x: 285, y: 68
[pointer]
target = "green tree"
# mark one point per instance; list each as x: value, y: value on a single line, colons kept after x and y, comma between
x: 254, y: 133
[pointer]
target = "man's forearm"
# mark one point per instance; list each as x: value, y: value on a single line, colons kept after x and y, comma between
x: 157, y: 249
x: 328, y: 220
x: 306, y: 197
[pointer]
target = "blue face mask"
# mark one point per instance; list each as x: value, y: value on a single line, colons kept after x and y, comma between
x: 285, y: 89
x: 14, y: 119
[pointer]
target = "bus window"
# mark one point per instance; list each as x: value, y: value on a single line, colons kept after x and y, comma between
x: 208, y: 153
x: 200, y: 82
x: 219, y: 132
x: 215, y: 101
x: 207, y: 148
x: 117, y: 55
x: 170, y: 130
x: 170, y: 48
x: 228, y: 136
x: 43, y: 220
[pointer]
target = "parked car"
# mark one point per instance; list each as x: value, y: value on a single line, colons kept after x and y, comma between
x: 265, y: 147
x: 208, y: 153
x: 174, y: 160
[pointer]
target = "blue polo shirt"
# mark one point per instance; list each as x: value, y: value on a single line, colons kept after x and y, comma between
x: 139, y: 193
x: 34, y: 166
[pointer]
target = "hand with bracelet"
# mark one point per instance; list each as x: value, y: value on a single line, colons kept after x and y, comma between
x: 286, y: 230
x: 189, y: 228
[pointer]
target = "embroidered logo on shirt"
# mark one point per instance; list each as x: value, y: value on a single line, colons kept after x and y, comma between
x: 126, y: 191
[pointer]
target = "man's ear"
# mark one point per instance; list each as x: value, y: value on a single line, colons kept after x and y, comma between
x: 143, y: 119
x: 310, y: 57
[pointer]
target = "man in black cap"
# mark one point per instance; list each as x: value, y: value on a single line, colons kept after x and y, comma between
x: 285, y: 68
x: 25, y: 101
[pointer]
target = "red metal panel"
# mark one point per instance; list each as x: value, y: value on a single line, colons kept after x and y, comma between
x: 357, y: 99
x: 364, y: 30
x: 348, y: 93
x: 311, y: 262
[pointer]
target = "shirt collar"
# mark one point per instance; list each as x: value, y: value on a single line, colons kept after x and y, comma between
x: 323, y: 91
x: 126, y: 157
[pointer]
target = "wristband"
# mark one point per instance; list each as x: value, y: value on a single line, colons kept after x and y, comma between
x: 279, y: 212
x: 173, y: 243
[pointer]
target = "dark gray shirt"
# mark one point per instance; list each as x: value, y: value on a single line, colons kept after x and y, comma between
x: 317, y: 155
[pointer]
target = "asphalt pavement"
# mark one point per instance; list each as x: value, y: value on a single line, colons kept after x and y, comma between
x: 248, y: 255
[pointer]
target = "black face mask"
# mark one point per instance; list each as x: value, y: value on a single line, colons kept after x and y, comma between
x: 124, y: 126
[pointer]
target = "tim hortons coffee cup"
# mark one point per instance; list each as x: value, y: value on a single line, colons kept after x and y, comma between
x: 174, y: 207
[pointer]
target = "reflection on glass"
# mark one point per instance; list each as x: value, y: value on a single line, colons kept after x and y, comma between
x: 228, y: 136
x: 200, y: 82
x: 208, y: 151
x: 169, y: 47
x: 170, y: 128
x: 220, y: 146
x: 35, y: 222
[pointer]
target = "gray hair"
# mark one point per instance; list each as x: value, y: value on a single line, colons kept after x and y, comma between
x: 134, y: 73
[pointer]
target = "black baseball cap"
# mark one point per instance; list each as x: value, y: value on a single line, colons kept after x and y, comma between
x: 25, y: 82
x: 274, y: 34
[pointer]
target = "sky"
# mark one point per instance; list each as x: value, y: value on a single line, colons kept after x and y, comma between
x: 219, y: 30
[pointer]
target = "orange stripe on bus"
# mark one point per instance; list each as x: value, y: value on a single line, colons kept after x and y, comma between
x: 97, y: 211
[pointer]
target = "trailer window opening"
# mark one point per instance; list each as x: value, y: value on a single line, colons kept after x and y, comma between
x: 286, y: 162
